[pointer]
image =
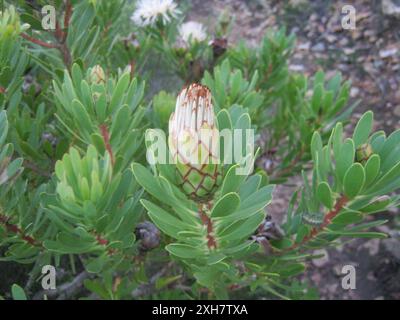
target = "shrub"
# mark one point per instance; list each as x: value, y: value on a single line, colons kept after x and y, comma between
x: 79, y: 187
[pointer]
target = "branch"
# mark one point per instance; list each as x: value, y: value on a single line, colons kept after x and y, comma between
x: 60, y: 35
x: 327, y: 220
x: 106, y: 139
x: 67, y: 18
x: 211, y: 242
x: 39, y: 42
x: 13, y: 228
x: 66, y: 290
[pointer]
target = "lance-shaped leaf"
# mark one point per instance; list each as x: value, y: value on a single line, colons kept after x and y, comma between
x: 226, y: 205
x: 354, y: 180
x: 363, y: 129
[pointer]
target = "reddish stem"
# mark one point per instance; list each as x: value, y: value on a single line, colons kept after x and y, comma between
x: 327, y: 220
x: 211, y: 243
x: 101, y: 240
x: 106, y: 139
x: 17, y: 230
x: 39, y: 42
x: 67, y: 18
x: 132, y: 65
x: 60, y: 35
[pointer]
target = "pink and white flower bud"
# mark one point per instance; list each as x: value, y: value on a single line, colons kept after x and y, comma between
x: 194, y: 142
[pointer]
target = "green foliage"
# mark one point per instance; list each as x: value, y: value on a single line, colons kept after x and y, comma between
x: 208, y: 236
x: 17, y: 292
x: 346, y: 191
x: 87, y: 192
x: 13, y: 61
x: 106, y: 113
x: 77, y: 192
x: 230, y: 87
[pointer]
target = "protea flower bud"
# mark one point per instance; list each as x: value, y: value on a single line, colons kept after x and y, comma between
x: 97, y: 75
x: 194, y: 143
x: 363, y: 153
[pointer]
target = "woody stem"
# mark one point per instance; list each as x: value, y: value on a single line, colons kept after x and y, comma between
x: 340, y: 203
x: 206, y: 220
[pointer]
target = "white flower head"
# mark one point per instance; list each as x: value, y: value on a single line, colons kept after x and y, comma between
x: 149, y: 11
x: 193, y: 133
x: 193, y: 31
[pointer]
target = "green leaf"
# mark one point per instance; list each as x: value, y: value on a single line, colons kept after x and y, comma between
x: 283, y: 243
x: 386, y: 180
x: 96, y: 287
x: 374, y: 235
x: 184, y: 251
x: 317, y: 98
x: 226, y: 205
x: 119, y: 91
x: 292, y: 270
x: 224, y: 120
x: 372, y: 168
x: 18, y: 293
x: 354, y: 180
x: 345, y: 158
x: 347, y: 217
x: 242, y: 229
x: 254, y: 203
x: 377, y: 205
x: 3, y: 127
x: 363, y: 129
x: 95, y: 265
x: 232, y: 180
x: 164, y: 282
x: 168, y: 224
x: 316, y: 145
x: 324, y: 194
x: 250, y: 186
x: 147, y: 181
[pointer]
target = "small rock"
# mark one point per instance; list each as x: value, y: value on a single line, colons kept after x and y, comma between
x: 319, y: 47
x: 331, y: 38
x: 304, y: 46
x: 372, y: 246
x: 386, y: 53
x: 349, y: 51
x: 313, y: 17
x: 320, y: 262
x: 296, y: 67
x: 297, y: 3
x: 393, y: 246
x: 332, y: 288
x: 391, y: 8
x: 354, y: 92
x: 344, y: 42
